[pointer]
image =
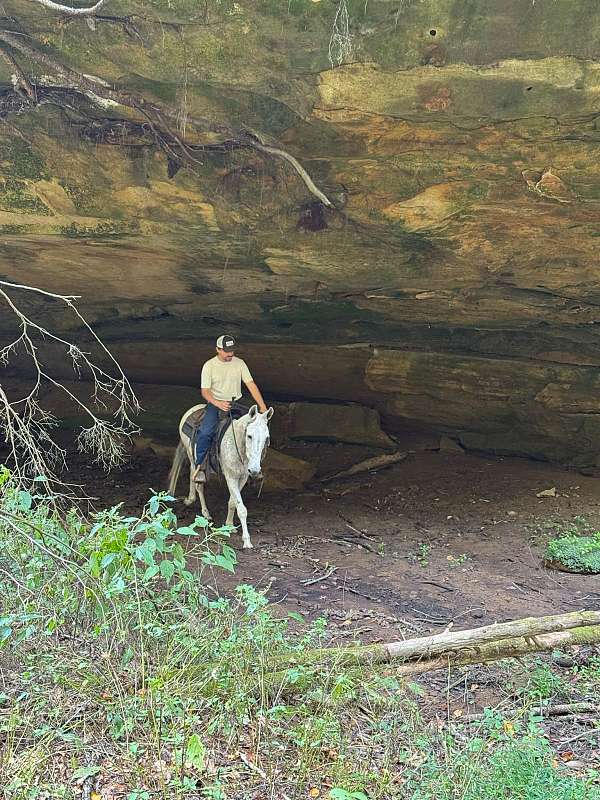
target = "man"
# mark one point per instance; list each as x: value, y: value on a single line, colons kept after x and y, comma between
x: 221, y: 383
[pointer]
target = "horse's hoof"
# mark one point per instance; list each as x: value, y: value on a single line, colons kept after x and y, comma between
x: 248, y: 546
x: 188, y: 502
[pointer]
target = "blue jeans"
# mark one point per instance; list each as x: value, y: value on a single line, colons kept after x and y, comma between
x: 206, y: 431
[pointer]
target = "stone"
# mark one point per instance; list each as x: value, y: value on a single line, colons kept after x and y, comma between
x: 448, y: 445
x: 351, y: 424
x: 285, y: 473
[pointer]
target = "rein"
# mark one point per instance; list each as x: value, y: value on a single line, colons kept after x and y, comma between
x: 234, y: 439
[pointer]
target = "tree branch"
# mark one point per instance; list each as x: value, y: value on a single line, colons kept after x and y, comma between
x: 26, y: 425
x: 69, y: 11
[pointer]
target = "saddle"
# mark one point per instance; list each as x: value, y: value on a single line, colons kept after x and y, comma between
x: 212, y: 465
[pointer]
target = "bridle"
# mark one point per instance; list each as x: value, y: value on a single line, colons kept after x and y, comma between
x: 237, y: 450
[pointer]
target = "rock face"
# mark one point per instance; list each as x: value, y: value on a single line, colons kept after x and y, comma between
x: 454, y: 284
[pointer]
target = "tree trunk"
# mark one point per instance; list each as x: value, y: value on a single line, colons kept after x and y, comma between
x: 525, y: 632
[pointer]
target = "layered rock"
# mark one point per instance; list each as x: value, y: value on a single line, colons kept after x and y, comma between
x: 455, y: 283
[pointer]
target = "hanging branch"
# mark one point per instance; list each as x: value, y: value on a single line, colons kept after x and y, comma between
x: 26, y: 426
x: 102, y: 95
x: 69, y: 10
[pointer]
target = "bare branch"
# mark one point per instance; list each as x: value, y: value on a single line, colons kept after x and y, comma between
x: 69, y: 11
x: 27, y: 427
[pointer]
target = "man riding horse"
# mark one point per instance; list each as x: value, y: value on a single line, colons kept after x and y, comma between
x: 220, y: 385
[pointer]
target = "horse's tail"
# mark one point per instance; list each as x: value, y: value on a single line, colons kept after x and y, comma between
x: 178, y: 460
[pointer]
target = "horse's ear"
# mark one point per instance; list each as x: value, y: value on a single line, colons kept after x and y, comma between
x: 252, y: 412
x: 269, y: 413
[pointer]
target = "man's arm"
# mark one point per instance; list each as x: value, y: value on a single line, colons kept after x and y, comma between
x: 255, y: 392
x: 224, y: 405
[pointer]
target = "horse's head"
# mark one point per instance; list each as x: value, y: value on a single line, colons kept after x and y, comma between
x: 257, y: 438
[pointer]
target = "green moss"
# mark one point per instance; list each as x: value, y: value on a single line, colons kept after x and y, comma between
x: 576, y: 553
x: 18, y: 157
x: 15, y: 196
x: 14, y: 229
x: 82, y: 196
x: 103, y: 229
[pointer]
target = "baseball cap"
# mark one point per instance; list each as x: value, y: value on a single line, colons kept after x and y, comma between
x: 226, y: 342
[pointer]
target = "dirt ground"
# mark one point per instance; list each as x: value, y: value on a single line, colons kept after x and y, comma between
x: 443, y: 537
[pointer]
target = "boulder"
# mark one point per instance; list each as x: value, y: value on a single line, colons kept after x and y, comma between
x: 285, y: 473
x: 351, y: 424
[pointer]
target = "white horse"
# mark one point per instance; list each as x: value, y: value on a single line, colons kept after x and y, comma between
x: 240, y: 455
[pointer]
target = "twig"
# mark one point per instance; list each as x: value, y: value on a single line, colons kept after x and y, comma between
x: 439, y: 585
x: 360, y: 594
x: 584, y: 735
x: 255, y: 768
x: 570, y: 708
x: 323, y: 577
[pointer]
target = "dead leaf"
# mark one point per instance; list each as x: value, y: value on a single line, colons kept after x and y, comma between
x: 547, y: 492
x: 314, y: 792
x: 567, y: 755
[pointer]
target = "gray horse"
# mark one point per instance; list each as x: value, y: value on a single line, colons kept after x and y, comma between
x: 240, y: 455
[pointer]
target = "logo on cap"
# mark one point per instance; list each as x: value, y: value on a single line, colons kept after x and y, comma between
x: 226, y: 343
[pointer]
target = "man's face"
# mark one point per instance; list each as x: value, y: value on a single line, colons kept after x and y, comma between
x: 225, y: 355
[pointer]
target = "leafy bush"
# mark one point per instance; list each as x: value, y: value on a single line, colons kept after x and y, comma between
x: 575, y: 553
x: 126, y: 674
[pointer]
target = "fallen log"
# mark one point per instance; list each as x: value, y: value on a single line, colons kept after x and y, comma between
x: 280, y: 683
x: 377, y: 462
x: 425, y: 648
x: 506, y: 648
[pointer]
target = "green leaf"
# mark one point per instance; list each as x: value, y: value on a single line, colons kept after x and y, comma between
x: 145, y: 551
x: 25, y: 500
x: 195, y: 752
x: 85, y: 772
x: 154, y: 505
x: 107, y: 560
x: 296, y: 616
x: 187, y: 530
x: 167, y: 569
x: 151, y: 572
x: 5, y: 633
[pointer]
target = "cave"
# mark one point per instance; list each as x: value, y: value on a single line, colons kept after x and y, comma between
x: 425, y: 246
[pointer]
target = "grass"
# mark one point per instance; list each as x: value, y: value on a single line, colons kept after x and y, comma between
x: 123, y: 674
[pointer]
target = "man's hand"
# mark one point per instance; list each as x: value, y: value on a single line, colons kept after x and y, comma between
x: 224, y: 405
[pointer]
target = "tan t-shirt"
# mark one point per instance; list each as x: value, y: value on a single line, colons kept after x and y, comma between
x: 224, y: 378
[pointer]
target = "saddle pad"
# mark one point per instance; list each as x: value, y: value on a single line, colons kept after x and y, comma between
x: 192, y: 424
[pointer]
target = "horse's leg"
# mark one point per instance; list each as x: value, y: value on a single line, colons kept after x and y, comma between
x: 200, y: 489
x: 192, y: 490
x: 235, y: 498
x: 231, y: 506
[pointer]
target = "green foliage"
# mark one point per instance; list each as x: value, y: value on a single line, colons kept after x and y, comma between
x: 542, y: 683
x: 101, y: 230
x: 498, y: 764
x: 21, y: 160
x: 15, y: 196
x: 119, y: 658
x: 576, y: 553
